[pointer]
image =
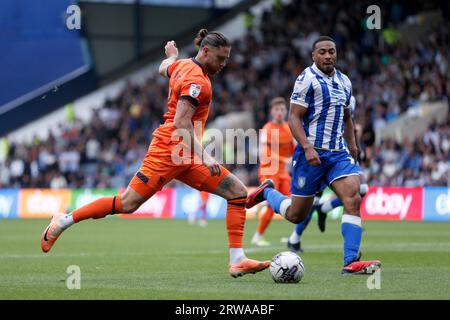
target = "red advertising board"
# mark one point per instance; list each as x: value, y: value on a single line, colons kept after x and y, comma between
x: 392, y: 203
x: 160, y: 205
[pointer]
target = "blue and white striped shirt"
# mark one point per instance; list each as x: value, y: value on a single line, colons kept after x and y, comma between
x: 325, y: 98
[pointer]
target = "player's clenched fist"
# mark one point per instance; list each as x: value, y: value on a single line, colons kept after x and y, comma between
x: 213, y: 166
x: 312, y: 156
x: 171, y: 49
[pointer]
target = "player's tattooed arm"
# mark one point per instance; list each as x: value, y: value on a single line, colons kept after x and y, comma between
x: 185, y: 129
x: 171, y: 51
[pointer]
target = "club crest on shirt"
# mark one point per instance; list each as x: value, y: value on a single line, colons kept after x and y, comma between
x: 301, y: 182
x: 194, y: 90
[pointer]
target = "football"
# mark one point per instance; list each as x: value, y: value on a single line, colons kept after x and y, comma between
x: 287, y: 267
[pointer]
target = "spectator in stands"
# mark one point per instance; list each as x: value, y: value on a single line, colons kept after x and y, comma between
x: 389, y: 76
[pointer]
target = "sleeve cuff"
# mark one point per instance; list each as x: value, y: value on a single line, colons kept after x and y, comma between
x: 191, y: 100
x: 301, y: 104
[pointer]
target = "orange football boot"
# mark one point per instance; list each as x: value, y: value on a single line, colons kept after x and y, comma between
x: 51, y: 233
x: 247, y: 266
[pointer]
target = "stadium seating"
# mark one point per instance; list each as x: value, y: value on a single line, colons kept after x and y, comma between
x: 388, y: 80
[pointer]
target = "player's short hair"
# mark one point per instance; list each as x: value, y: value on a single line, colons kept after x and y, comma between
x: 320, y: 39
x: 214, y: 39
x: 276, y: 101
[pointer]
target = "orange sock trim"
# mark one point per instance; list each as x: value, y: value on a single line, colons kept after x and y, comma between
x: 238, y: 201
x: 117, y: 205
x: 235, y: 221
x: 98, y: 209
x: 265, y: 219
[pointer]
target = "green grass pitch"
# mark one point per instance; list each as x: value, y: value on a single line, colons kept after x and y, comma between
x: 169, y: 259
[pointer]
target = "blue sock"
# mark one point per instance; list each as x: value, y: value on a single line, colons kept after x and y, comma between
x: 336, y: 203
x: 352, y: 240
x: 299, y: 228
x: 274, y: 198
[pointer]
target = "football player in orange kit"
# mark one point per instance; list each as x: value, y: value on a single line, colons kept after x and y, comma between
x: 204, y: 196
x: 278, y: 145
x: 176, y: 152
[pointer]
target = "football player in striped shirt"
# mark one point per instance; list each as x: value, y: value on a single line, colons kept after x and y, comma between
x: 323, y: 207
x: 320, y: 120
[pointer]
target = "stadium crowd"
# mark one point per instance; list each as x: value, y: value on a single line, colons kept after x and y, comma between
x: 389, y: 76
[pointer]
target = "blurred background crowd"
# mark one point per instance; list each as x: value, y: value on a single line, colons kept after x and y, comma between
x: 389, y: 78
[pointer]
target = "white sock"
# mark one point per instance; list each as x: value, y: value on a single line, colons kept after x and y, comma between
x: 347, y: 218
x: 285, y: 204
x: 326, y: 206
x: 66, y: 221
x: 236, y: 255
x: 294, y: 238
x: 316, y: 201
x: 256, y: 236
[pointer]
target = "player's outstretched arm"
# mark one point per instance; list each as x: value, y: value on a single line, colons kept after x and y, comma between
x: 171, y: 51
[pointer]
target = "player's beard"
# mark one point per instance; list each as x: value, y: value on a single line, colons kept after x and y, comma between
x: 328, y: 68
